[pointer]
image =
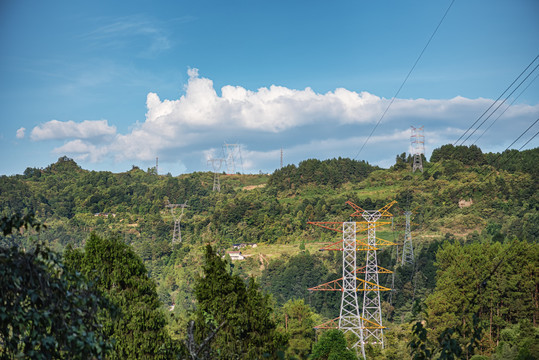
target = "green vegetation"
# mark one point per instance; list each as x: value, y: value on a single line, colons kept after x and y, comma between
x: 138, y: 330
x: 475, y: 232
x: 242, y: 313
x: 46, y: 310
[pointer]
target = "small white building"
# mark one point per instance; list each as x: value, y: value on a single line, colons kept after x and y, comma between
x: 235, y: 255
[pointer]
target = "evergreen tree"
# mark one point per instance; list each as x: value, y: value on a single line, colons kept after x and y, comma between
x: 139, y: 330
x: 332, y: 346
x: 297, y: 323
x: 242, y: 313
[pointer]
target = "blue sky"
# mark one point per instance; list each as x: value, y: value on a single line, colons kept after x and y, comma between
x: 115, y: 84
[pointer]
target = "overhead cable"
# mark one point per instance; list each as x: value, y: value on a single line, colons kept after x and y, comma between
x: 487, y: 110
x: 405, y: 79
x: 511, y: 155
x: 507, y: 108
x: 508, y: 96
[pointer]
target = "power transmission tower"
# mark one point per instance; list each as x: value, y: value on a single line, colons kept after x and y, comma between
x: 349, y: 319
x: 232, y: 154
x: 281, y: 158
x: 371, y: 296
x: 408, y: 248
x: 177, y: 233
x: 216, y: 166
x: 417, y: 138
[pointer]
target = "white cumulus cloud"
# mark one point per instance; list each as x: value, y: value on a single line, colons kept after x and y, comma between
x: 309, y: 124
x: 82, y: 150
x: 55, y: 130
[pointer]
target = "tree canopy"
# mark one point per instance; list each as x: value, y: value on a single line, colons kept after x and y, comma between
x: 139, y: 329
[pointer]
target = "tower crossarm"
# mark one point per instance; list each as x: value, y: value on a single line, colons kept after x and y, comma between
x: 382, y: 242
x: 379, y: 242
x: 331, y: 324
x: 384, y: 211
x: 359, y: 211
x: 330, y: 225
x: 334, y: 324
x: 334, y: 285
x: 337, y: 225
x: 370, y: 286
x: 337, y: 246
x: 381, y: 270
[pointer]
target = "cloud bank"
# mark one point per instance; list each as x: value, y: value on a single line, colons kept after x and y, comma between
x: 307, y: 123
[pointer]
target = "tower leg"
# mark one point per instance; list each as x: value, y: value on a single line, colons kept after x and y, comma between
x: 349, y: 319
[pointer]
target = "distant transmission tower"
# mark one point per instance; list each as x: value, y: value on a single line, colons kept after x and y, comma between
x: 216, y: 166
x: 157, y: 166
x: 417, y: 138
x: 232, y: 154
x: 281, y: 158
x: 408, y: 248
x: 177, y: 234
x: 349, y: 319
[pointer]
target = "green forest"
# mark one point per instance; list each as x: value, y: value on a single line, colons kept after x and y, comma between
x: 89, y: 269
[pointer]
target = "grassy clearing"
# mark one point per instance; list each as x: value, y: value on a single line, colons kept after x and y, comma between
x: 274, y: 251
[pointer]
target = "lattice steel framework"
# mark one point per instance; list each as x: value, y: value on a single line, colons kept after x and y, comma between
x: 408, y: 248
x: 417, y: 138
x: 177, y: 233
x: 232, y: 154
x: 349, y: 315
x: 371, y: 296
x: 216, y: 166
x: 349, y: 319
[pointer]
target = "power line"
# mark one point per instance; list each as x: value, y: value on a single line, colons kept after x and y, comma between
x: 507, y: 89
x: 507, y: 108
x: 526, y: 143
x: 521, y: 135
x: 511, y: 155
x: 433, y: 168
x: 508, y: 96
x: 405, y: 79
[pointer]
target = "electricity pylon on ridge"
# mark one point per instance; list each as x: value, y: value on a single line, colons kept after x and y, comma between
x: 349, y: 319
x: 177, y: 233
x: 372, y: 310
x: 407, y: 248
x: 232, y: 153
x: 417, y: 138
x: 216, y: 166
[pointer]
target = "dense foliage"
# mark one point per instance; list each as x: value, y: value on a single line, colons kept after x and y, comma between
x: 497, y: 283
x: 470, y: 206
x: 139, y: 329
x: 46, y: 310
x: 242, y: 313
x: 334, y: 172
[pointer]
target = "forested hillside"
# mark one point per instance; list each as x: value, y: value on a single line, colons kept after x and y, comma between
x: 475, y: 232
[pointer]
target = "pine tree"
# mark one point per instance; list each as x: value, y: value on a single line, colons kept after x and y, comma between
x: 241, y: 313
x: 139, y: 330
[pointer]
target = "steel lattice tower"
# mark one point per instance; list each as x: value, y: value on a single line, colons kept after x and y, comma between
x: 216, y: 166
x: 232, y: 152
x: 349, y: 319
x: 408, y: 248
x: 371, y: 295
x: 417, y: 138
x: 177, y: 233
